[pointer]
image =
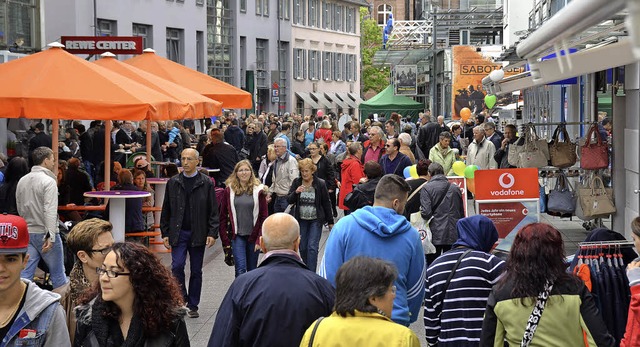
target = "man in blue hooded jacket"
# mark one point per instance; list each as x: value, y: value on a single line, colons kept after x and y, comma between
x: 381, y: 231
x: 453, y: 315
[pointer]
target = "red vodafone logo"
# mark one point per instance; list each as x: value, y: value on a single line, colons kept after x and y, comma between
x: 500, y: 184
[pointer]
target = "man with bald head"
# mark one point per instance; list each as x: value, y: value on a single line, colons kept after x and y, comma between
x: 188, y: 223
x: 274, y: 304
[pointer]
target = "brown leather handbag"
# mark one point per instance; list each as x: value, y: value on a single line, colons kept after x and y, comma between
x: 594, y: 155
x: 563, y: 154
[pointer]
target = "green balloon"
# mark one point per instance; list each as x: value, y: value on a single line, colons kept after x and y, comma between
x: 469, y: 171
x: 490, y: 100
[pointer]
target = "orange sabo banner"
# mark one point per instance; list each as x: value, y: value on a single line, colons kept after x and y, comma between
x: 507, y: 184
x: 470, y: 65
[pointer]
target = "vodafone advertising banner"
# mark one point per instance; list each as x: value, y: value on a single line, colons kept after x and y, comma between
x: 461, y: 182
x: 509, y: 197
x: 102, y: 44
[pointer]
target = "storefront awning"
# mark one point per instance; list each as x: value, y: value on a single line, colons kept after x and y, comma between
x: 322, y: 101
x: 337, y: 100
x: 306, y: 97
x: 356, y: 98
x: 345, y: 97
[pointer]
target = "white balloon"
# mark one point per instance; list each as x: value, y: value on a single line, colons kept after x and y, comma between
x: 496, y: 75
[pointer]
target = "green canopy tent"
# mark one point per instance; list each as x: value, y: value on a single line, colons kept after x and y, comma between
x: 386, y: 102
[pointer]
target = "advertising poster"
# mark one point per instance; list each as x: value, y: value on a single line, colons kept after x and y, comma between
x: 509, y: 215
x: 470, y: 65
x: 405, y: 80
x: 461, y: 182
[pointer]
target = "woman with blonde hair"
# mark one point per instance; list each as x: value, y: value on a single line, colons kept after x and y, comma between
x: 244, y: 206
x: 312, y: 209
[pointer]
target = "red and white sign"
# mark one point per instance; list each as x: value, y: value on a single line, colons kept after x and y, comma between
x: 461, y: 182
x: 507, y: 184
x: 102, y: 44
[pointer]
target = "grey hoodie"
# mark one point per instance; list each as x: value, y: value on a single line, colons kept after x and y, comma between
x: 43, y: 313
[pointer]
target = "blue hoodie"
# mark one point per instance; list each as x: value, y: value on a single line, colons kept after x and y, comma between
x: 476, y: 232
x: 380, y: 232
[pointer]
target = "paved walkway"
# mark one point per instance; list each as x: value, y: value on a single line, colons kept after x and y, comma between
x: 218, y: 277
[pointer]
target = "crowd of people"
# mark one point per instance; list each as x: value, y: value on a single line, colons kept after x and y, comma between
x: 273, y: 192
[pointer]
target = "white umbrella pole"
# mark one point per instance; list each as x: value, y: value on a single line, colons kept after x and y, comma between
x: 55, y: 132
x: 149, y: 144
x: 107, y: 155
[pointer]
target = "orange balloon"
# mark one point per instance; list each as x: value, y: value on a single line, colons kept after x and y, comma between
x: 471, y: 185
x: 465, y: 113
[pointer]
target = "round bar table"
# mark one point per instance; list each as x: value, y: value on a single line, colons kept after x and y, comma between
x: 117, y: 207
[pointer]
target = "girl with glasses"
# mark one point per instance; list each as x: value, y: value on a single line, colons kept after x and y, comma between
x: 137, y: 302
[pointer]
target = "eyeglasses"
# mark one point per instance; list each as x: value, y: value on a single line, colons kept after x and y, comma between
x: 387, y: 145
x: 110, y: 273
x: 313, y: 149
x: 103, y: 251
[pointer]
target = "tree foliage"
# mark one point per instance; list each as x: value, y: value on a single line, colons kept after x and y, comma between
x: 372, y: 78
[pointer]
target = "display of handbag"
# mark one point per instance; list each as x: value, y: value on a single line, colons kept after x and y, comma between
x: 534, y: 152
x: 563, y: 154
x: 562, y: 199
x: 513, y: 154
x: 596, y: 201
x: 594, y: 155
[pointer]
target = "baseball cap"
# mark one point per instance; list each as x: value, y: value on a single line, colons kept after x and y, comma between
x: 141, y: 163
x: 14, y: 235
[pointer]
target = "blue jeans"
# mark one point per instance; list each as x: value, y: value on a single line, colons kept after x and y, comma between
x: 244, y: 255
x: 280, y: 204
x: 54, y: 259
x: 178, y: 262
x: 310, y: 233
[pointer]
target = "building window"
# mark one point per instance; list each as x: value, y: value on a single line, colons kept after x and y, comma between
x: 338, y: 62
x: 338, y: 17
x: 220, y: 40
x: 384, y: 11
x: 326, y: 66
x: 314, y: 13
x: 299, y: 63
x: 243, y: 61
x: 175, y: 45
x: 144, y: 31
x: 262, y: 8
x: 243, y: 6
x: 262, y: 63
x: 351, y: 20
x: 283, y: 55
x: 20, y: 25
x: 327, y: 9
x: 351, y: 67
x: 107, y: 27
x: 299, y: 12
x: 314, y: 65
x: 283, y: 7
x: 200, y: 2
x: 200, y: 51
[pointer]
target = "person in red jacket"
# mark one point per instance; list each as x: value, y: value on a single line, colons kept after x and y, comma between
x: 352, y: 173
x: 324, y: 132
x: 632, y: 333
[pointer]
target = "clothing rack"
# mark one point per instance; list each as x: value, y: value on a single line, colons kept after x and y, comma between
x: 620, y: 243
x: 558, y: 123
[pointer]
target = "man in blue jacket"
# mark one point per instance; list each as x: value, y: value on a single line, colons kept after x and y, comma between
x: 274, y: 304
x: 381, y: 231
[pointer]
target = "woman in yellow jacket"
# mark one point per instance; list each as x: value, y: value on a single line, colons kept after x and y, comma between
x: 362, y: 316
x: 443, y: 154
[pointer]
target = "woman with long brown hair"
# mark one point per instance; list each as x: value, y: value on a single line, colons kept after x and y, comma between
x: 136, y: 302
x: 537, y: 301
x: 244, y: 205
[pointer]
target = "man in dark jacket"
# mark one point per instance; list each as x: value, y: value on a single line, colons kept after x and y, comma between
x: 234, y: 135
x: 428, y: 136
x: 256, y: 143
x: 441, y: 201
x: 40, y: 139
x: 156, y: 146
x: 189, y: 221
x: 282, y: 293
x: 219, y: 155
x: 502, y: 151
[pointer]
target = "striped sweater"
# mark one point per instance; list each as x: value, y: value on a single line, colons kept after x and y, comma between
x: 455, y: 319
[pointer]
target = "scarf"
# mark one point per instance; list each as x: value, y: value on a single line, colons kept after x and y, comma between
x: 108, y: 332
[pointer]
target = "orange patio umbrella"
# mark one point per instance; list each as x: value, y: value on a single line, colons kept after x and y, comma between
x: 57, y: 85
x: 230, y: 96
x: 203, y: 106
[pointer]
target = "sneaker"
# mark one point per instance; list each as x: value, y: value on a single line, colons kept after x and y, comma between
x: 193, y: 314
